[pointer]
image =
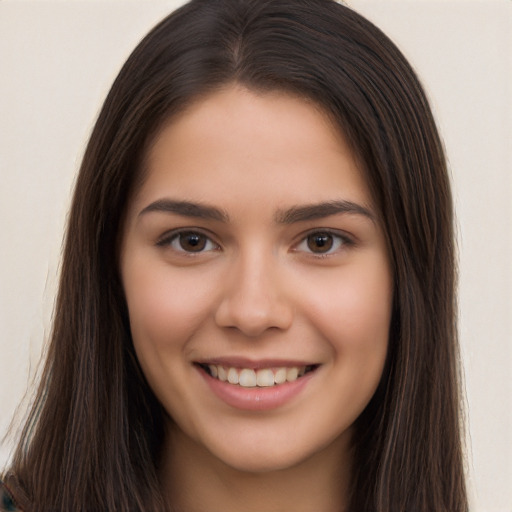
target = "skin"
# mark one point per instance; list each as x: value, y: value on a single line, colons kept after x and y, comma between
x: 261, y: 287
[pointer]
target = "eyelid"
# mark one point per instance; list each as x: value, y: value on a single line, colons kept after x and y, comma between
x: 345, y: 241
x: 168, y: 237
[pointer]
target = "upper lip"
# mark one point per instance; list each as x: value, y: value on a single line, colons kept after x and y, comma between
x: 242, y: 362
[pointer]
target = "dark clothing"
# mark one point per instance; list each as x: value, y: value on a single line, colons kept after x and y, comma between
x: 12, y: 498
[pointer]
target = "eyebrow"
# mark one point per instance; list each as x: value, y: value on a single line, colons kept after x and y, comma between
x: 321, y: 210
x: 287, y: 216
x: 186, y: 209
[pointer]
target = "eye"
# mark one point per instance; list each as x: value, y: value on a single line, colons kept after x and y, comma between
x: 189, y: 242
x: 322, y: 243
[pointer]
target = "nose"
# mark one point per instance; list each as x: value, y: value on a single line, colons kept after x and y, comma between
x: 253, y: 298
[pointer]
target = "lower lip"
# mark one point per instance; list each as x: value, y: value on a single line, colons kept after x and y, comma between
x: 256, y: 398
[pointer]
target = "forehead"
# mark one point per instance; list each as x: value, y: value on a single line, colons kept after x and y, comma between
x: 236, y: 140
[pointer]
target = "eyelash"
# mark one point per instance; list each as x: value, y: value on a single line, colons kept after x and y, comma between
x: 337, y: 239
x: 170, y: 238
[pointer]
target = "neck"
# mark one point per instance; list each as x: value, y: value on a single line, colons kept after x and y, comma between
x: 194, y: 480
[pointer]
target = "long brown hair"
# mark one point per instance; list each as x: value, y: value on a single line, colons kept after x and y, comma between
x: 94, y: 435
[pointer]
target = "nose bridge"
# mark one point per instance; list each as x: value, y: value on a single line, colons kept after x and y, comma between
x: 254, y: 297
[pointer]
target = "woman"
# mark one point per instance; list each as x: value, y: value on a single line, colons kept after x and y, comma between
x: 256, y: 306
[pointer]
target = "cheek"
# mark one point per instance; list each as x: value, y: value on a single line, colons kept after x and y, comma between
x: 353, y: 309
x: 165, y: 309
x: 164, y: 306
x: 354, y: 318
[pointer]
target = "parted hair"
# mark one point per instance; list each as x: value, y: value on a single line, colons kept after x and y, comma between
x: 94, y: 435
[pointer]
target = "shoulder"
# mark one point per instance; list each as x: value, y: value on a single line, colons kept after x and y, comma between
x: 12, y: 496
x: 7, y: 503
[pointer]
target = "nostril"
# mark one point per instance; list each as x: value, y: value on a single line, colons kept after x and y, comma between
x: 252, y: 319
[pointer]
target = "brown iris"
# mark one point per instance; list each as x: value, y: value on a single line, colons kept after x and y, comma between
x: 320, y: 242
x: 192, y: 242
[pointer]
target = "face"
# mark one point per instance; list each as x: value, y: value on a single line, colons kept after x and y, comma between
x: 257, y: 280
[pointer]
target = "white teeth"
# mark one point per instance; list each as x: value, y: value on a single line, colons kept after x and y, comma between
x: 280, y: 376
x: 232, y: 376
x: 222, y: 374
x: 265, y: 378
x: 292, y: 374
x: 249, y: 378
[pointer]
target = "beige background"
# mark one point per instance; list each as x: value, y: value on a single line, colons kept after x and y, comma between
x: 57, y: 60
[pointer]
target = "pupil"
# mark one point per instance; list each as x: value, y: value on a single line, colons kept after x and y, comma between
x: 320, y: 243
x: 192, y: 242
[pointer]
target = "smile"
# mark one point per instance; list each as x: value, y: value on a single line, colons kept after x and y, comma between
x: 262, y: 386
x: 251, y: 378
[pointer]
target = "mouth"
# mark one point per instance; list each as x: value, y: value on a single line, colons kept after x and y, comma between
x: 257, y: 386
x: 256, y: 378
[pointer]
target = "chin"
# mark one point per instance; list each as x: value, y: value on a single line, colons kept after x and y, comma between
x: 265, y: 454
x: 259, y: 463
